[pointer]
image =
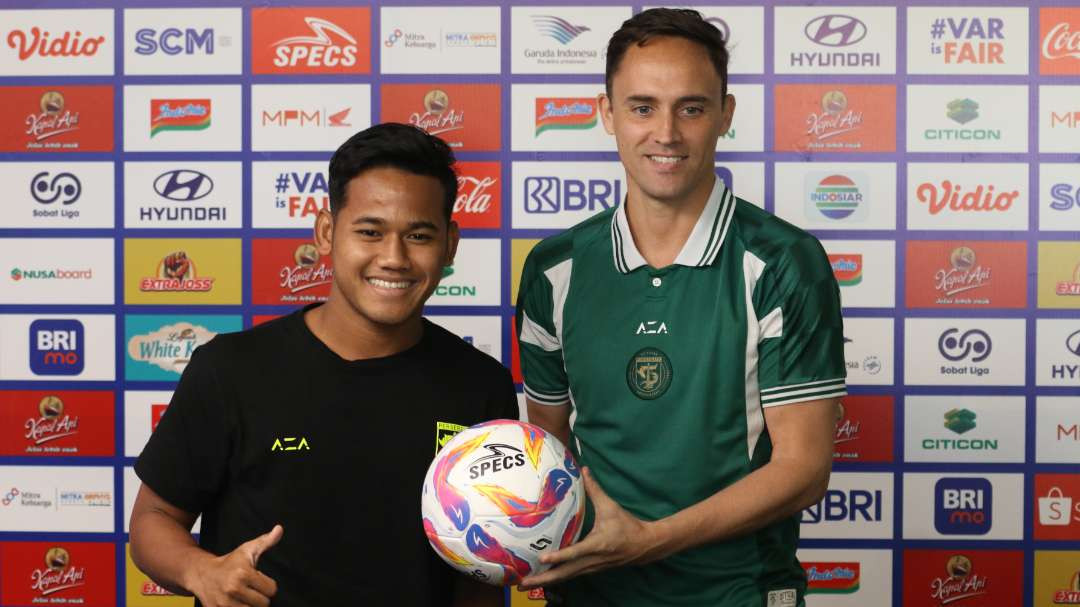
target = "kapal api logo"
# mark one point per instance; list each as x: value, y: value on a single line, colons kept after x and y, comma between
x: 54, y: 118
x: 438, y: 116
x: 307, y: 272
x: 963, y: 275
x: 835, y: 119
x: 57, y: 575
x: 51, y: 423
x: 959, y: 582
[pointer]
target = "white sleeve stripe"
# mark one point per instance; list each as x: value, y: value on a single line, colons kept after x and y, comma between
x: 803, y: 399
x: 803, y: 385
x: 533, y: 333
x: 803, y: 392
x: 546, y: 399
x: 772, y: 325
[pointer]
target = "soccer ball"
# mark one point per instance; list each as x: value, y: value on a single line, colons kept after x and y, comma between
x: 497, y: 496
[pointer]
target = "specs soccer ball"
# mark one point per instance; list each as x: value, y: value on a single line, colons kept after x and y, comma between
x: 497, y: 496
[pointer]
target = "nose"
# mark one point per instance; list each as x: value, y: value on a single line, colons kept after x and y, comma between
x: 667, y: 129
x: 393, y: 255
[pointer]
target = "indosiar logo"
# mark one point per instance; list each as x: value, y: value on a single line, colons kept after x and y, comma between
x: 963, y: 506
x: 56, y: 347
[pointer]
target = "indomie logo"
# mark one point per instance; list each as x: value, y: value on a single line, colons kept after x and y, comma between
x: 564, y: 113
x: 500, y: 457
x: 963, y: 506
x: 56, y: 347
x: 179, y: 115
x: 831, y: 578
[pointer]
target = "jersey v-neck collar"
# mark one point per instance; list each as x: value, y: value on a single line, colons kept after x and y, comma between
x: 701, y: 247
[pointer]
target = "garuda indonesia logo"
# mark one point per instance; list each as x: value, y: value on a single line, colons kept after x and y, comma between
x: 649, y: 373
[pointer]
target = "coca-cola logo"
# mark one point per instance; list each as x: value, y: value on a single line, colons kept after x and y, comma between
x: 474, y: 196
x: 44, y: 43
x: 1061, y: 42
x: 954, y: 197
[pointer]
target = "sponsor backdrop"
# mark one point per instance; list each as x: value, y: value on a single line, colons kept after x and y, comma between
x: 163, y: 165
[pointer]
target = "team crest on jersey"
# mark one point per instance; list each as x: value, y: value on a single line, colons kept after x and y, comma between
x: 649, y: 373
x: 444, y: 431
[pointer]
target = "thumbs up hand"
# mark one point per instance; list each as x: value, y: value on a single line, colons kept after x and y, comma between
x: 232, y: 580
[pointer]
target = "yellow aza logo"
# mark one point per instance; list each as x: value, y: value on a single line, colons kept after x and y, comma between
x: 291, y: 443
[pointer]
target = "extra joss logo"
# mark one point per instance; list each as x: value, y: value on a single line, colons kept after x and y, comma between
x: 963, y: 506
x: 56, y: 347
x: 179, y: 115
x: 1069, y: 287
x: 176, y: 272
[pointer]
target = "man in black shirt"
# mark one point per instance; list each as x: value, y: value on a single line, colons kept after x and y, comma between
x: 303, y: 442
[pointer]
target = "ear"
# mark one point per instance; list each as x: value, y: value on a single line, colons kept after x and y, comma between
x: 604, y: 103
x: 324, y: 232
x: 727, y: 113
x: 452, y: 240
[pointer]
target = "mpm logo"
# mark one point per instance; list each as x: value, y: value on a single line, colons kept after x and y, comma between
x: 56, y: 347
x: 963, y: 506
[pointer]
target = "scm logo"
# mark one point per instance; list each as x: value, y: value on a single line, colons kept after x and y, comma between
x: 963, y: 506
x: 851, y: 505
x: 56, y: 347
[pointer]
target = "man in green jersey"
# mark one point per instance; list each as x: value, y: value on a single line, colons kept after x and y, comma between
x: 699, y: 341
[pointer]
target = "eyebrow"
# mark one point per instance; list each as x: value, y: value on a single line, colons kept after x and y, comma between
x: 379, y: 221
x: 652, y: 100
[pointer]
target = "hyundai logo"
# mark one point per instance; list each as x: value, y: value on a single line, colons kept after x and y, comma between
x: 974, y: 342
x: 1072, y: 342
x: 183, y: 185
x: 48, y: 191
x: 835, y: 30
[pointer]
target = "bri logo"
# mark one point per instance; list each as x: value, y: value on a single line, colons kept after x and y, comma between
x: 963, y: 506
x: 56, y: 347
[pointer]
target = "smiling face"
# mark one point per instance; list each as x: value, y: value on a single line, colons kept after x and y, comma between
x: 666, y: 110
x: 389, y: 243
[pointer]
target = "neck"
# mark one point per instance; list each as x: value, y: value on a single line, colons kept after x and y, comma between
x: 353, y: 337
x: 661, y: 227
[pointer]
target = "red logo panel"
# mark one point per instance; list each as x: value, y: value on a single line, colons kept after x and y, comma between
x: 1059, y: 40
x: 864, y: 430
x: 311, y: 40
x: 963, y: 578
x: 57, y: 423
x: 465, y: 116
x: 479, y: 199
x: 56, y: 119
x: 51, y: 573
x: 1057, y: 507
x: 288, y: 271
x: 835, y: 118
x: 966, y: 274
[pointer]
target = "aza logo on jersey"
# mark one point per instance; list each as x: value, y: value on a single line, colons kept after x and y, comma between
x: 290, y: 443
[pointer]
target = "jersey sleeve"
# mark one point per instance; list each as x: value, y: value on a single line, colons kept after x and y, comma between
x: 186, y: 458
x: 503, y: 403
x: 801, y: 347
x: 542, y: 366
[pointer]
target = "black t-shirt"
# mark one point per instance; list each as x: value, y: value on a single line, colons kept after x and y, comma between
x: 270, y: 426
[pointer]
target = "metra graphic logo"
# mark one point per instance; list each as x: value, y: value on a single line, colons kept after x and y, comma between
x: 43, y: 43
x: 964, y: 274
x: 179, y: 115
x: 57, y: 575
x: 64, y: 187
x: 174, y: 41
x: 959, y: 583
x: 1066, y: 287
x: 438, y: 116
x: 51, y: 423
x: 971, y: 40
x: 847, y: 268
x: 555, y: 194
x: 470, y: 39
x: 845, y: 505
x: 835, y: 30
x: 837, y: 196
x: 835, y: 118
x: 175, y: 272
x: 304, y: 119
x: 963, y: 506
x: 959, y: 420
x: 183, y: 185
x: 831, y: 578
x: 56, y: 347
x: 557, y: 28
x: 973, y: 343
x: 307, y: 273
x: 54, y: 119
x: 565, y: 113
x: 318, y: 49
x: 951, y: 196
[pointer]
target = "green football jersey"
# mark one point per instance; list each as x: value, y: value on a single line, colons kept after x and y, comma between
x: 669, y: 370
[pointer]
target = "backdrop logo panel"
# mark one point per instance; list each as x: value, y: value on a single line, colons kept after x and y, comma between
x: 967, y: 40
x: 846, y: 577
x: 142, y: 413
x: 1056, y: 579
x: 1057, y: 507
x: 57, y: 271
x: 868, y: 351
x: 563, y: 117
x: 440, y: 40
x: 158, y: 348
x: 141, y: 591
x: 1059, y: 118
x: 316, y: 117
x: 1059, y: 275
x: 865, y: 271
x: 68, y: 498
x: 311, y: 40
x: 465, y: 116
x: 743, y: 28
x: 967, y: 196
x: 479, y: 199
x: 1059, y: 197
x: 57, y: 347
x: 963, y: 506
x: 469, y: 282
x: 58, y: 195
x: 288, y: 271
x: 993, y: 578
x: 864, y: 429
x: 55, y: 42
x: 968, y: 118
x: 964, y: 429
x: 966, y: 274
x: 71, y: 573
x: 830, y: 40
x: 482, y: 332
x: 856, y: 505
x: 182, y: 270
x: 288, y: 194
x: 561, y: 194
x: 835, y: 118
x: 1057, y: 429
x: 747, y: 132
x: 182, y: 195
x: 182, y: 41
x: 57, y: 118
x: 958, y: 352
x: 1059, y: 43
x: 562, y: 39
x: 1057, y: 352
x: 56, y: 423
x: 182, y: 118
x: 837, y: 196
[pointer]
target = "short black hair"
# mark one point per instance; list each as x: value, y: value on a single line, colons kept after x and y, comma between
x: 658, y: 22
x: 392, y: 144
